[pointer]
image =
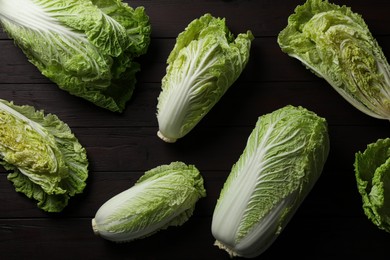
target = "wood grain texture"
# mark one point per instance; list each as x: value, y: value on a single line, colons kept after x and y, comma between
x: 330, y: 224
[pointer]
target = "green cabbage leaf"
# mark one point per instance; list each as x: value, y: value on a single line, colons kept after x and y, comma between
x: 283, y: 158
x: 86, y: 47
x: 205, y: 61
x: 372, y: 171
x: 45, y: 160
x: 164, y: 196
x: 336, y: 44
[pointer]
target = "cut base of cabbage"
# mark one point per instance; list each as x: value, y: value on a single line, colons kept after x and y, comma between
x: 227, y: 249
x: 166, y: 139
x: 94, y: 228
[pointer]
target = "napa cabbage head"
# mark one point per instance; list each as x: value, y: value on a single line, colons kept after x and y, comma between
x: 337, y: 45
x: 45, y: 160
x: 372, y: 172
x: 164, y: 196
x: 86, y: 47
x: 283, y: 158
x: 205, y: 61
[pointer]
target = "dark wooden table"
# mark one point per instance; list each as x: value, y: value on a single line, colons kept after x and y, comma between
x: 330, y: 224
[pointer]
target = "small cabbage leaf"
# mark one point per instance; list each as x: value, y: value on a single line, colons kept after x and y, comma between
x: 205, y: 61
x: 86, y: 47
x: 372, y: 171
x: 46, y: 161
x: 283, y: 158
x: 336, y: 44
x: 164, y: 196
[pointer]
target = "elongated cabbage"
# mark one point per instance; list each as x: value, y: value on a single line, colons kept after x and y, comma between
x: 283, y: 158
x: 45, y: 160
x: 86, y: 47
x: 205, y: 61
x: 336, y: 44
x: 164, y: 196
x: 372, y: 171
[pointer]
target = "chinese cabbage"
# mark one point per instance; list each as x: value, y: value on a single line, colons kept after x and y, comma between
x: 372, y: 171
x: 86, y: 47
x: 283, y: 158
x: 336, y: 44
x: 46, y: 161
x: 205, y: 61
x: 164, y: 196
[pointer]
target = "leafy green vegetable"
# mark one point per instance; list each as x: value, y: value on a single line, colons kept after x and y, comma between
x: 205, y: 61
x: 164, y: 196
x: 47, y: 162
x: 372, y: 171
x: 283, y: 158
x: 86, y: 47
x: 336, y: 44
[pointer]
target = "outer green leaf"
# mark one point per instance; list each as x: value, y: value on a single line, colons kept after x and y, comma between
x: 47, y: 161
x: 372, y: 171
x: 283, y: 158
x: 204, y: 63
x: 86, y: 48
x: 336, y: 44
x: 164, y: 196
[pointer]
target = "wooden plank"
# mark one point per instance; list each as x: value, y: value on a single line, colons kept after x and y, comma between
x: 56, y: 236
x: 259, y: 17
x: 43, y: 239
x: 242, y: 104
